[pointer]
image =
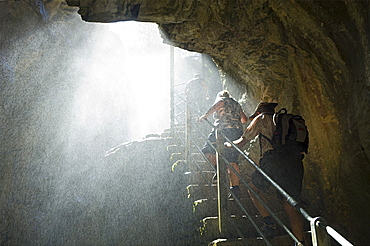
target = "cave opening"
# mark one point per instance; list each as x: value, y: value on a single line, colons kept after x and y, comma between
x: 124, y: 90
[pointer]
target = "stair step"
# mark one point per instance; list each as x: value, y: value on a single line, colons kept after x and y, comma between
x: 200, y: 165
x: 210, y: 232
x: 197, y: 191
x: 257, y: 241
x: 204, y: 208
x: 174, y: 148
x: 200, y: 177
x: 208, y: 207
x: 210, y: 228
x: 197, y: 155
x: 283, y: 240
x: 202, y: 194
x: 202, y: 190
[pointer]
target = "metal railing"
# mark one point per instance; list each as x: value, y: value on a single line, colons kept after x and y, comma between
x: 320, y: 230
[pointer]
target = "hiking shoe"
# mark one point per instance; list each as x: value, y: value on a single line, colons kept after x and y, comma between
x: 235, y: 191
x: 269, y: 231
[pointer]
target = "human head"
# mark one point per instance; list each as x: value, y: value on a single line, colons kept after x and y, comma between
x: 198, y: 76
x: 223, y: 93
x: 263, y: 107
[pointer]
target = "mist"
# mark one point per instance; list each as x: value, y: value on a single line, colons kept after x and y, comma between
x: 123, y: 91
x: 70, y: 91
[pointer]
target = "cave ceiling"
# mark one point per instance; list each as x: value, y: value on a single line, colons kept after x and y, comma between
x: 255, y: 42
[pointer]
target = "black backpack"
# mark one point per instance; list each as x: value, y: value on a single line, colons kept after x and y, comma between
x: 291, y: 132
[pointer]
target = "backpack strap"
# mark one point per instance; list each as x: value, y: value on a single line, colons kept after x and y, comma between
x: 265, y: 137
x: 285, y: 127
x: 283, y: 117
x: 276, y: 115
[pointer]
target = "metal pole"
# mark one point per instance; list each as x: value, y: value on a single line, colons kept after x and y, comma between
x: 319, y: 235
x: 203, y: 64
x: 339, y: 238
x: 172, y: 91
x: 187, y: 134
x: 221, y: 180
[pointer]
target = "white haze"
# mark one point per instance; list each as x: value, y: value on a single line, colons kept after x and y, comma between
x: 124, y: 86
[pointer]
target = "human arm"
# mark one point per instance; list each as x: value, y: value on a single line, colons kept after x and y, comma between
x: 250, y: 133
x: 243, y: 117
x: 240, y: 142
x: 210, y: 111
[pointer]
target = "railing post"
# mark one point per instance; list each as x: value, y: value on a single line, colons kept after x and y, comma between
x: 172, y: 91
x: 187, y: 135
x: 319, y: 235
x: 221, y: 180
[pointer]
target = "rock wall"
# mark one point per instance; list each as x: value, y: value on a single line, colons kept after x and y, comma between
x: 57, y: 186
x: 46, y: 178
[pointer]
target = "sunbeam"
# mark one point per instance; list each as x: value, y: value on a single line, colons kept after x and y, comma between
x: 125, y: 85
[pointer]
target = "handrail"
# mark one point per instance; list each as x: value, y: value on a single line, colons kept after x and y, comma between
x: 320, y: 224
x: 255, y: 194
x: 224, y: 184
x: 249, y: 217
x: 319, y: 227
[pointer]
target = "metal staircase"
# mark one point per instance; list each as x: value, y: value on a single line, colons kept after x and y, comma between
x: 202, y: 193
x: 240, y: 221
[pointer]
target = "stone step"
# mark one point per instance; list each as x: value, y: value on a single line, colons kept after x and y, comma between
x: 208, y: 207
x: 202, y: 190
x: 238, y: 227
x: 203, y: 193
x: 199, y: 191
x: 200, y: 177
x: 210, y: 230
x: 174, y: 148
x: 282, y: 240
x: 255, y: 241
x: 200, y: 165
x: 197, y: 155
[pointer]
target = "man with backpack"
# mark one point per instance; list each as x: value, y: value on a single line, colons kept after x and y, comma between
x: 229, y: 117
x: 197, y: 95
x: 282, y: 162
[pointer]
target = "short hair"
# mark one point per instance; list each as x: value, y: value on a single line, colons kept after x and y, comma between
x: 198, y: 76
x: 223, y: 93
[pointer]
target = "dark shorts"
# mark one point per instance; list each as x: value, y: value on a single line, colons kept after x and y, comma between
x: 231, y: 154
x: 285, y: 168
